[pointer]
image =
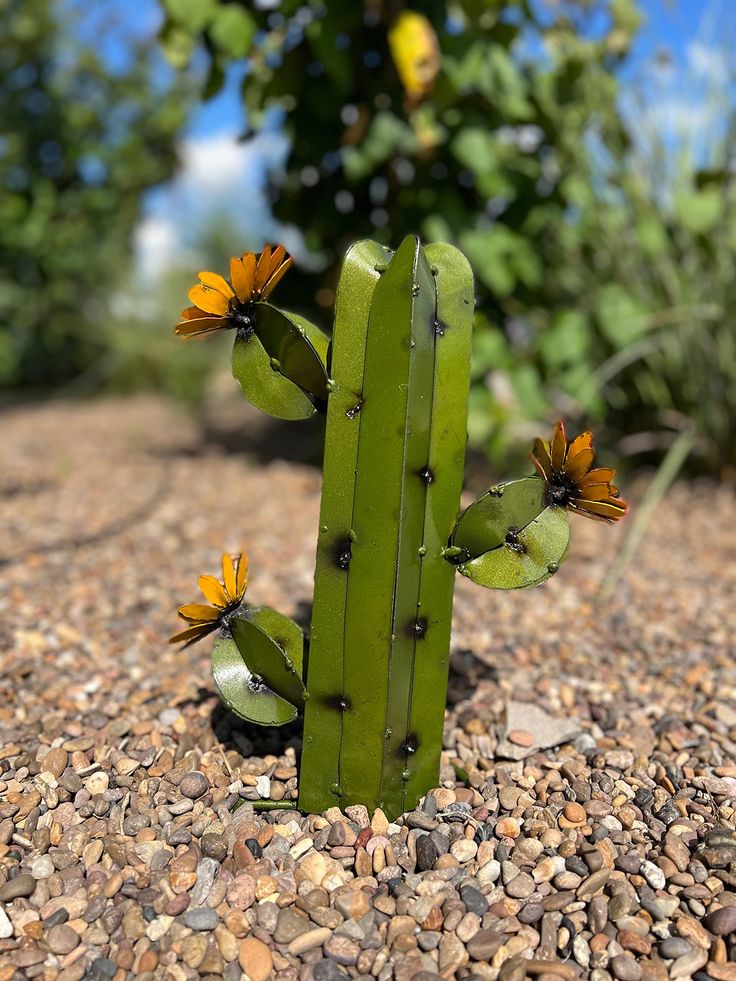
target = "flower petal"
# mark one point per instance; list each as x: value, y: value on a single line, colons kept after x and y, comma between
x: 541, y: 458
x: 217, y: 282
x: 202, y: 325
x: 559, y: 447
x: 242, y: 279
x: 277, y: 277
x: 263, y: 268
x: 610, y: 510
x: 601, y: 475
x: 192, y: 634
x: 209, y: 300
x: 577, y: 466
x: 199, y: 613
x: 277, y: 257
x: 213, y: 591
x: 241, y: 576
x: 228, y: 578
x: 596, y: 492
x: 582, y: 442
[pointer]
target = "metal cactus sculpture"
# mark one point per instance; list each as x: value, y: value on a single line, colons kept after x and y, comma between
x: 393, y: 383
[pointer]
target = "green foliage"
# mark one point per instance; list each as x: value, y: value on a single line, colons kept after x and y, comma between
x: 603, y: 272
x: 82, y: 143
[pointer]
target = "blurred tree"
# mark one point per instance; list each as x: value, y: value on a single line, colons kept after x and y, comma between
x: 471, y: 121
x: 82, y: 140
x: 603, y: 276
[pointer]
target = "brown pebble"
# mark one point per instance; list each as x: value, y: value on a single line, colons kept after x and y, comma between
x: 255, y: 959
x: 520, y: 737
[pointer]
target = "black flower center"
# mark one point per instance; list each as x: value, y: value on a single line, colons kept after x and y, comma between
x: 241, y: 316
x: 561, y: 490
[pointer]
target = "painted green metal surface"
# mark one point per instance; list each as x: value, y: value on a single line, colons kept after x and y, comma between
x: 277, y: 644
x: 454, y: 324
x: 281, y: 367
x: 383, y: 581
x: 320, y: 765
x: 532, y: 554
x: 393, y: 473
x: 266, y: 659
x: 485, y: 524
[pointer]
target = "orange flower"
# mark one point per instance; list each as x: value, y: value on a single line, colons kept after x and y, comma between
x: 225, y: 597
x: 223, y: 305
x: 571, y: 483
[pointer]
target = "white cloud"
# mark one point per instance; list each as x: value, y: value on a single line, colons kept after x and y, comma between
x: 156, y: 245
x: 218, y: 176
x: 708, y: 63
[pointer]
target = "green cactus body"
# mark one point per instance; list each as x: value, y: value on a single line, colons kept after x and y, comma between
x: 383, y: 592
x: 394, y: 383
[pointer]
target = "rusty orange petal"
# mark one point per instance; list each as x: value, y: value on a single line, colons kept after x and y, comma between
x: 277, y: 277
x: 213, y: 591
x: 217, y: 282
x: 191, y: 634
x: 199, y: 613
x: 558, y: 447
x: 228, y: 577
x: 209, y: 300
x: 577, y: 466
x: 541, y: 458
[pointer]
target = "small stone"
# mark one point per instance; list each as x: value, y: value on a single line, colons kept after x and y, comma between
x: 214, y: 846
x: 97, y: 783
x: 507, y: 827
x: 464, y: 850
x: 6, y: 927
x: 21, y: 886
x: 309, y: 940
x: 55, y: 761
x: 426, y: 853
x: 484, y: 945
x: 194, y: 784
x: 624, y: 968
x: 42, y: 867
x: 353, y: 904
x: 201, y: 919
x: 653, y: 874
x: 474, y: 900
x: 721, y: 921
x: 255, y: 959
x: 520, y: 737
x: 342, y: 950
x: 62, y: 939
x: 673, y: 947
x: 575, y: 813
x: 291, y: 923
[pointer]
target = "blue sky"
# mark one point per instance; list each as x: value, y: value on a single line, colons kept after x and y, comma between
x: 219, y: 173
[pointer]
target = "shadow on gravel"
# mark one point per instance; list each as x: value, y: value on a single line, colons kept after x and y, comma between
x: 253, y: 740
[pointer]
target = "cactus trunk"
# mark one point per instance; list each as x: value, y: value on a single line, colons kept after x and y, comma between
x: 396, y: 423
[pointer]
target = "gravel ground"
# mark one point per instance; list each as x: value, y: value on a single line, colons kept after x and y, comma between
x: 584, y: 826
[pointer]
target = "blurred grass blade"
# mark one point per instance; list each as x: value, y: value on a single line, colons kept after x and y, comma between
x: 668, y: 470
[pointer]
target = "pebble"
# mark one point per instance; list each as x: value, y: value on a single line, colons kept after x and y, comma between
x: 194, y: 784
x: 721, y: 921
x: 200, y: 919
x: 21, y: 886
x: 62, y: 939
x: 255, y: 959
